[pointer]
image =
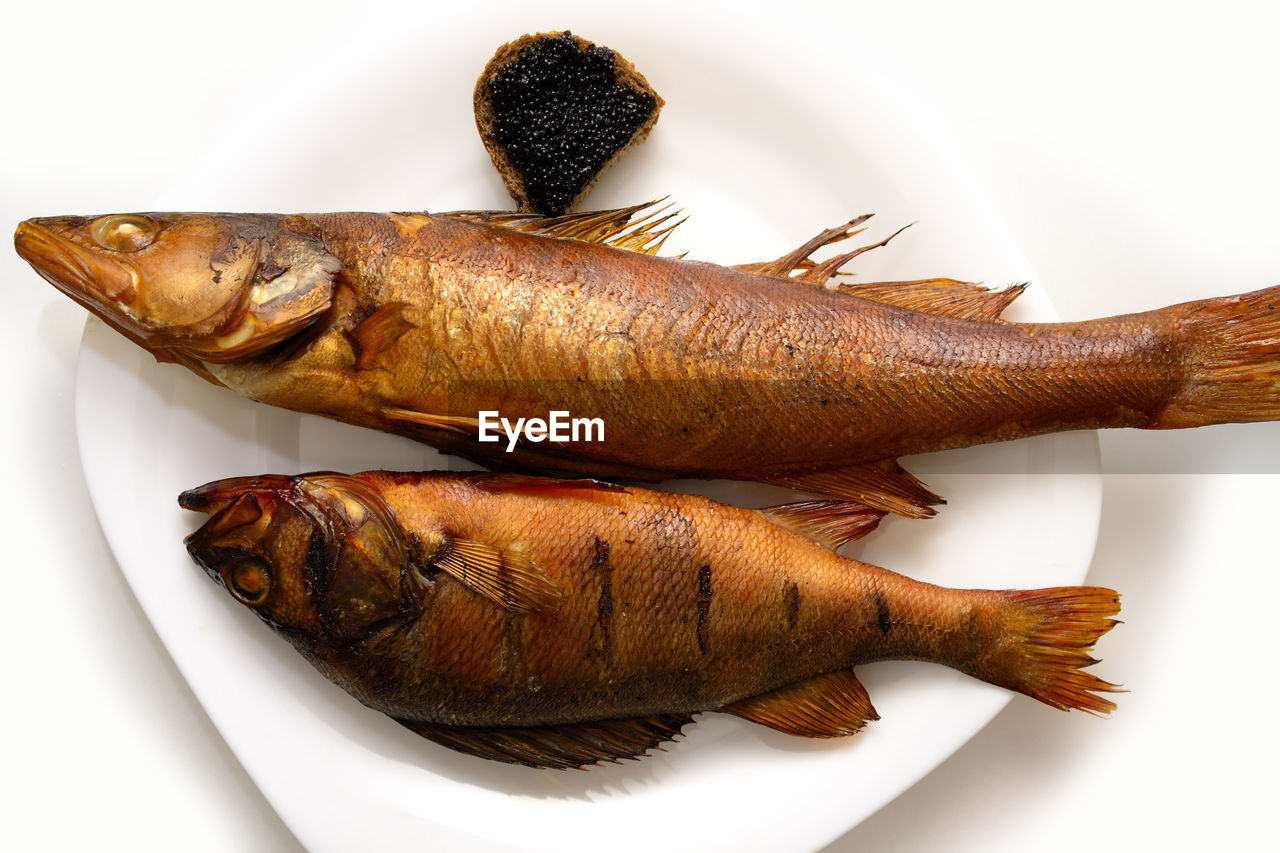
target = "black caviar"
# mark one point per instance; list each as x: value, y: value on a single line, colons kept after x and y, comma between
x: 560, y: 115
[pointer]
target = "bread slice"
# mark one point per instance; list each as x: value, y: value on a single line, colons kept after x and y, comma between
x: 555, y: 111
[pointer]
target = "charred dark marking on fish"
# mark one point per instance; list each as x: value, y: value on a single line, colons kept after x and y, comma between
x: 704, y: 606
x: 675, y: 530
x: 883, y: 622
x: 970, y: 629
x: 315, y: 569
x: 504, y: 584
x: 513, y: 656
x: 793, y: 603
x: 602, y: 646
x: 317, y: 572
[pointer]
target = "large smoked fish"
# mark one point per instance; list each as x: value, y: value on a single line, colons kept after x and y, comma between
x: 421, y: 324
x: 558, y: 623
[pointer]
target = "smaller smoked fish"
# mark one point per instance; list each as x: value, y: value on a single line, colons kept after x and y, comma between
x: 560, y: 623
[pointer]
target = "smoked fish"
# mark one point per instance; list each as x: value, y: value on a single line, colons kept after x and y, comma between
x: 560, y: 623
x: 420, y: 324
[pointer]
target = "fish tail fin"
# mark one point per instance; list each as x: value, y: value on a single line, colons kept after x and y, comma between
x: 1049, y: 634
x: 1232, y: 350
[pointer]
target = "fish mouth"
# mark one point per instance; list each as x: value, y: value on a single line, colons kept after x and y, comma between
x: 98, y: 284
x: 232, y: 505
x: 212, y: 498
x: 208, y: 498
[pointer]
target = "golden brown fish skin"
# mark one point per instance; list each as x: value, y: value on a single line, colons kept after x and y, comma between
x: 679, y: 358
x: 667, y: 604
x: 695, y: 369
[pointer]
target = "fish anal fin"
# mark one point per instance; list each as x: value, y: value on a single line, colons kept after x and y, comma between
x: 449, y: 423
x: 829, y: 523
x: 378, y: 333
x: 561, y: 747
x: 942, y: 297
x: 881, y: 485
x: 639, y: 228
x: 550, y: 487
x: 505, y: 576
x: 830, y: 705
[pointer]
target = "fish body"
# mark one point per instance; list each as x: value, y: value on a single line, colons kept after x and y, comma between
x: 558, y: 623
x: 419, y: 324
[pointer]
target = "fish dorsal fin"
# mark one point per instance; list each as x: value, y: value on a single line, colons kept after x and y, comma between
x: 543, y: 486
x: 943, y: 297
x: 831, y: 705
x: 378, y: 333
x: 881, y: 485
x: 800, y: 260
x: 560, y: 747
x: 505, y: 576
x: 800, y: 265
x: 620, y: 228
x: 829, y: 523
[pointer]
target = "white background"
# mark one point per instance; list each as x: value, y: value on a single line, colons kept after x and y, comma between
x: 1130, y: 148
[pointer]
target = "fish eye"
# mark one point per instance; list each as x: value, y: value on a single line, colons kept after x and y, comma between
x: 250, y: 581
x: 126, y: 232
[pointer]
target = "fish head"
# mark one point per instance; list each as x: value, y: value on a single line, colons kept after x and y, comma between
x: 320, y: 558
x: 213, y: 287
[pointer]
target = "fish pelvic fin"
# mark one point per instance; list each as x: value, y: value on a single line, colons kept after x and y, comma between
x: 831, y: 524
x: 831, y: 705
x: 883, y: 485
x: 1231, y: 351
x: 447, y: 423
x: 1051, y: 633
x: 560, y: 747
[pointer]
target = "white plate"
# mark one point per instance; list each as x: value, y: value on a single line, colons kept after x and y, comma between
x: 761, y: 162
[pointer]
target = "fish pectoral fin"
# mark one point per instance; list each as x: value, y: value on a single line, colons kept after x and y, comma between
x: 882, y: 485
x: 620, y: 228
x: 503, y: 575
x: 829, y: 523
x: 378, y: 333
x: 941, y: 297
x: 561, y: 747
x: 449, y: 423
x: 550, y: 487
x: 830, y: 705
